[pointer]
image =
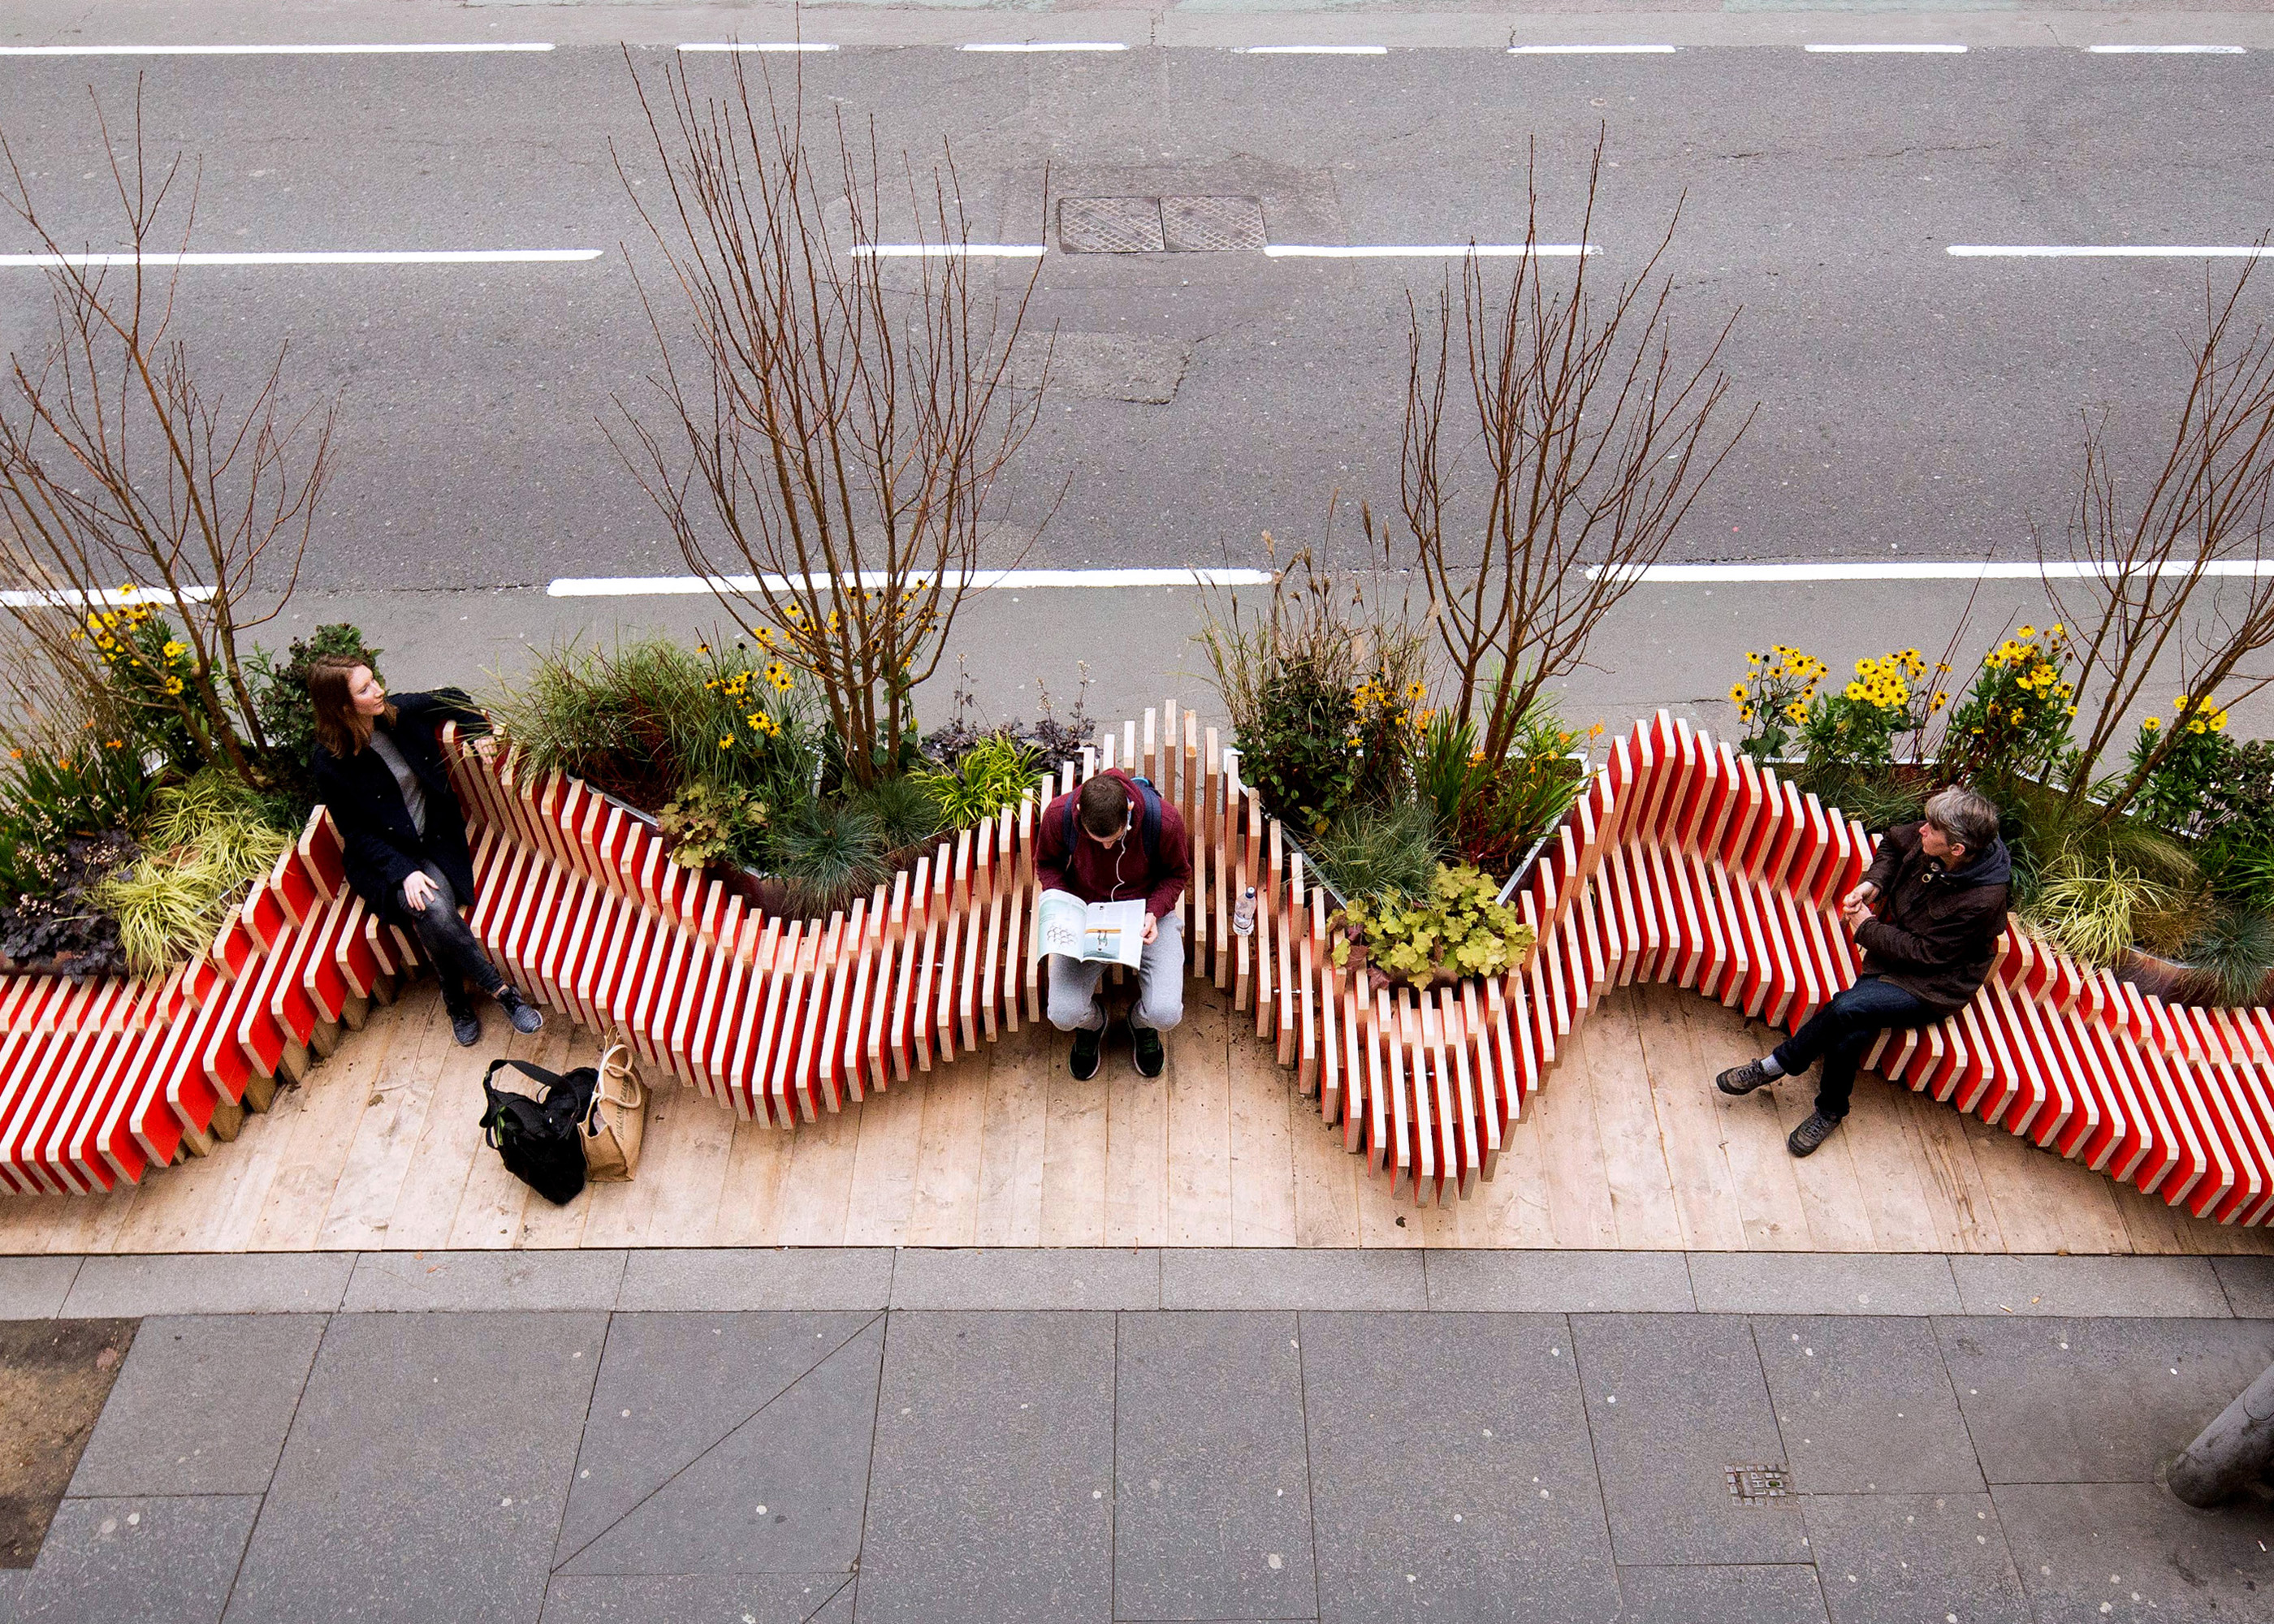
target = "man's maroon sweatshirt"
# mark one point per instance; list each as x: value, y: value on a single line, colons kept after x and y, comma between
x: 1102, y: 874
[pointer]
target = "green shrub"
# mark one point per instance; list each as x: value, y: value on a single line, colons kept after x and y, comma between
x: 1379, y: 852
x: 988, y: 776
x: 1773, y: 700
x: 828, y: 856
x: 1301, y: 753
x: 710, y: 823
x: 1520, y: 798
x: 208, y: 839
x: 905, y: 813
x: 2014, y: 722
x: 1459, y: 930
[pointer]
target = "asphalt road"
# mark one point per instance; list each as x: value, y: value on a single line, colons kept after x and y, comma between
x: 1912, y: 404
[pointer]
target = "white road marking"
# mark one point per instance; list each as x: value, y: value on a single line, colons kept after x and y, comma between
x: 415, y: 256
x: 984, y: 579
x: 261, y: 51
x: 2099, y: 251
x: 1313, y: 50
x: 947, y: 251
x: 757, y: 45
x: 1592, y: 51
x: 64, y: 599
x: 1432, y: 250
x: 1919, y: 569
x: 1046, y: 45
x: 1899, y: 50
x: 2165, y: 50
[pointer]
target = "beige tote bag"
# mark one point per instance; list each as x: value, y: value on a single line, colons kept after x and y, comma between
x: 613, y: 1131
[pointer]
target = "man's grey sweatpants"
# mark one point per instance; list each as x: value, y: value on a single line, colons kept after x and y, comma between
x: 1074, y: 1004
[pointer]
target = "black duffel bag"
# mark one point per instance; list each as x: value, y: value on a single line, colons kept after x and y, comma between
x: 541, y: 1140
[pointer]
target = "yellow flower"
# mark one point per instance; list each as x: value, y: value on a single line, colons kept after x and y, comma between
x: 2028, y: 631
x: 2150, y: 725
x: 1737, y: 692
x: 1796, y: 713
x: 173, y: 649
x: 727, y: 743
x: 173, y: 684
x: 777, y: 674
x: 1855, y: 690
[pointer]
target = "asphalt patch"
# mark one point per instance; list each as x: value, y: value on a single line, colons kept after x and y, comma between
x: 55, y: 1375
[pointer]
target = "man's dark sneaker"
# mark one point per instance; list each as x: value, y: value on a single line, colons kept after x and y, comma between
x: 465, y: 1026
x: 525, y: 1016
x: 1147, y: 1050
x: 1083, y: 1061
x: 1743, y: 1079
x: 1808, y: 1139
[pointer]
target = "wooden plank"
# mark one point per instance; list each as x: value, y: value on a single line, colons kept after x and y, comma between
x: 750, y: 1200
x: 1073, y: 1162
x: 1760, y: 1167
x: 818, y: 1185
x: 1202, y: 1058
x: 1010, y: 1191
x: 1136, y: 1154
x: 690, y: 1188
x: 387, y: 1132
x: 331, y: 1104
x: 882, y: 1185
x: 1262, y: 1162
x: 949, y: 1155
x: 1571, y: 1150
x: 1690, y: 1130
x: 449, y: 1140
x: 1640, y: 1185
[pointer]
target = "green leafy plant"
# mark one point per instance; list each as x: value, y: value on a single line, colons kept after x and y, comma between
x: 828, y: 856
x: 1852, y: 732
x: 208, y: 839
x: 988, y: 776
x: 2178, y: 788
x: 1301, y: 754
x: 2014, y: 722
x: 2094, y: 906
x: 906, y: 815
x: 711, y: 823
x: 1772, y: 699
x: 1457, y: 929
x: 1509, y: 804
x: 1379, y: 852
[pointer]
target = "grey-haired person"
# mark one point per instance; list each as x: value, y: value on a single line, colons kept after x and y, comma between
x: 1927, y: 916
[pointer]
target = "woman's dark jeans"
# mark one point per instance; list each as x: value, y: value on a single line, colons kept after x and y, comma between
x: 449, y: 945
x: 1841, y: 1032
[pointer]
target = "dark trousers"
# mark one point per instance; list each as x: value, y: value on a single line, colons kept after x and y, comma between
x: 449, y: 946
x: 1841, y: 1032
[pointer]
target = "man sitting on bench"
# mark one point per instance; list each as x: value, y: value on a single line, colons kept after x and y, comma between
x: 1113, y: 841
x: 1940, y: 887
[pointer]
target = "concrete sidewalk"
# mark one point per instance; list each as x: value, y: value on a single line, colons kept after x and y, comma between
x: 1152, y: 1435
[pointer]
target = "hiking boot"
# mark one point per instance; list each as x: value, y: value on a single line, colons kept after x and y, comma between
x: 1742, y: 1079
x: 465, y: 1026
x: 1083, y: 1061
x: 525, y: 1016
x: 1147, y: 1050
x: 1808, y: 1139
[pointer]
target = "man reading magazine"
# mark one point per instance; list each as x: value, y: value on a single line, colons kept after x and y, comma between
x: 1114, y: 841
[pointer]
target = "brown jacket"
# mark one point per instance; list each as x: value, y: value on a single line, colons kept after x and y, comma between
x: 1934, y: 932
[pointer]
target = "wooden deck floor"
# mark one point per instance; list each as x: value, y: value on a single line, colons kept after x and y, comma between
x: 1628, y: 1148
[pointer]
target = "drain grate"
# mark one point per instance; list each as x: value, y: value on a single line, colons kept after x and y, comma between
x: 1110, y: 225
x: 1159, y: 225
x: 1758, y: 1485
x: 1205, y: 225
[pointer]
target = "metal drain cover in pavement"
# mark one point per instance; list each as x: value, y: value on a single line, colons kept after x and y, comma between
x: 1757, y: 1485
x: 1203, y: 225
x: 1109, y: 225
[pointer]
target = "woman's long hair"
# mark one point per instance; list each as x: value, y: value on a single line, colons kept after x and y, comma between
x: 339, y: 727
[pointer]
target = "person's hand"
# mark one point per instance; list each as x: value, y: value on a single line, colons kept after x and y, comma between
x: 417, y: 892
x: 1858, y: 897
x: 1854, y: 913
x: 1152, y: 929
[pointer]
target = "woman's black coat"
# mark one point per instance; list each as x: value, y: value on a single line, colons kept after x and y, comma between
x: 383, y: 849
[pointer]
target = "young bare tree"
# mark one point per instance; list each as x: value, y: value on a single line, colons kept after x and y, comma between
x: 128, y: 488
x: 827, y: 457
x: 1536, y: 488
x: 2176, y: 579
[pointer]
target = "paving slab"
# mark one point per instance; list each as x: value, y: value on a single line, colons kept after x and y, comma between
x: 1264, y: 1277
x: 1903, y: 1559
x: 426, y: 1470
x: 1865, y: 1407
x: 1211, y: 1498
x: 2129, y: 1550
x: 200, y: 1406
x: 673, y: 1386
x: 2248, y: 1284
x: 1770, y: 1282
x: 652, y: 1598
x: 141, y: 1557
x: 1556, y: 1283
x: 1673, y: 1401
x: 780, y: 1493
x: 2094, y: 1401
x: 2038, y: 1284
x: 483, y: 1281
x: 1782, y: 1593
x: 992, y: 1472
x: 698, y: 1279
x: 1075, y: 1277
x: 36, y: 1288
x: 1451, y: 1469
x: 251, y: 1282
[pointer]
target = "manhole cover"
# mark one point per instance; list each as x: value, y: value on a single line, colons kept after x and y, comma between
x: 1109, y: 225
x: 1757, y: 1485
x: 1201, y: 225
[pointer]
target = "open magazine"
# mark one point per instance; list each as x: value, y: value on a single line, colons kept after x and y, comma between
x: 1094, y: 932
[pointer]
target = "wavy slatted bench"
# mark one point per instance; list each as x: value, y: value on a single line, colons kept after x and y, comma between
x: 1682, y: 863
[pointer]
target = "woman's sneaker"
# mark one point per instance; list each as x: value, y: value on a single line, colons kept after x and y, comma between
x: 525, y: 1016
x: 1808, y: 1139
x: 465, y: 1026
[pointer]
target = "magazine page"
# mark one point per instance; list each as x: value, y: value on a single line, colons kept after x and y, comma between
x: 1093, y: 932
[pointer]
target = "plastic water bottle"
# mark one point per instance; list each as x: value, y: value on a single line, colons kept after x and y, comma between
x: 1243, y: 914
